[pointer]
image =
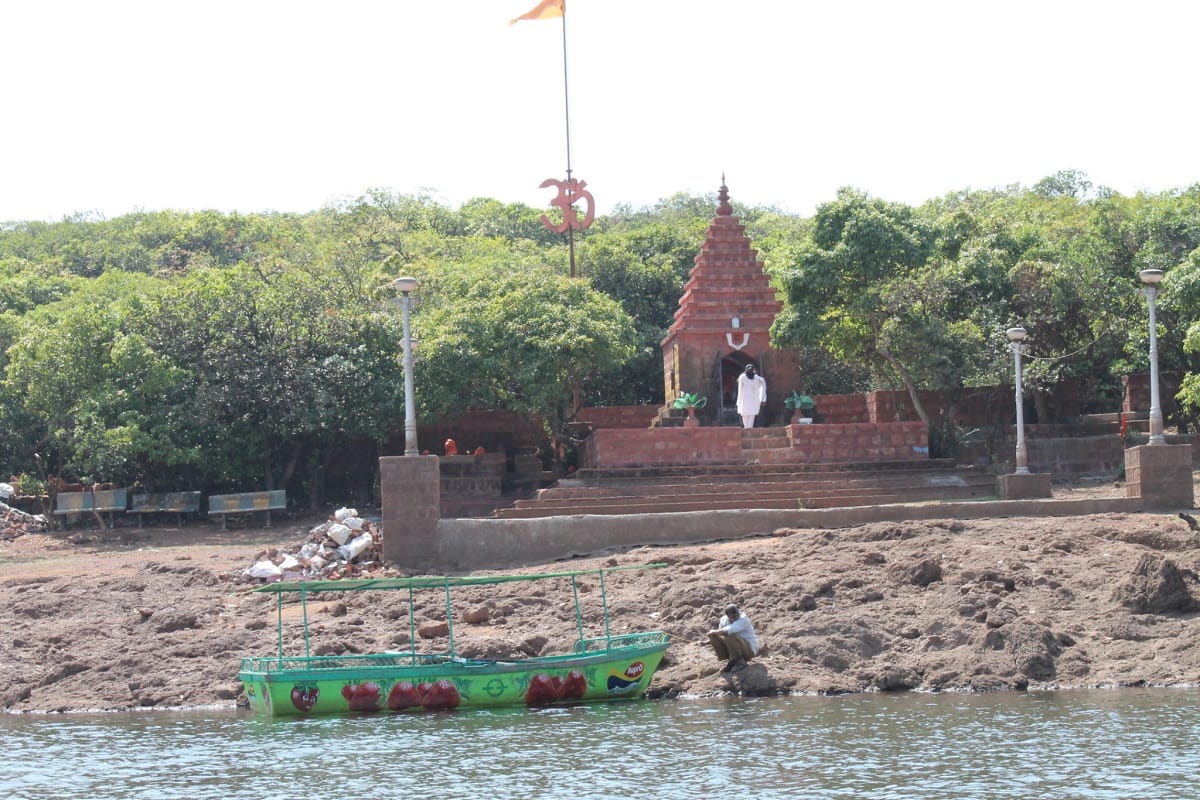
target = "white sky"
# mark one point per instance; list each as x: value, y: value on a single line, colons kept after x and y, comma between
x: 113, y: 106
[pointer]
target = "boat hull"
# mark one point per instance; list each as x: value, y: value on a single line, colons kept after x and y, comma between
x: 403, y: 682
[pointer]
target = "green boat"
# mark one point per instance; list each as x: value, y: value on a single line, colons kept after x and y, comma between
x: 607, y: 667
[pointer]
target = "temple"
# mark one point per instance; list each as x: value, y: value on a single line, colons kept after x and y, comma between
x: 723, y: 323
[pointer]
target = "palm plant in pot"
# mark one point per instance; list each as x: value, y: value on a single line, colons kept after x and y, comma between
x: 691, y: 402
x: 802, y: 406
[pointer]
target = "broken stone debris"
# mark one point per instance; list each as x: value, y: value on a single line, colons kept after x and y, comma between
x: 14, y: 522
x: 341, y: 546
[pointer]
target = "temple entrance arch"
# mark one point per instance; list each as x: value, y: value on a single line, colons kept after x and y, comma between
x: 732, y: 365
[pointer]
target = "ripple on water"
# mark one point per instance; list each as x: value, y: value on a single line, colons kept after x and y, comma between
x: 1094, y: 744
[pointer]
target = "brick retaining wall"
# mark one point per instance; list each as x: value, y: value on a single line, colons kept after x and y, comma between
x: 852, y: 442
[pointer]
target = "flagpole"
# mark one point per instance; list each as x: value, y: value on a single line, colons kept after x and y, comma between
x: 567, y: 112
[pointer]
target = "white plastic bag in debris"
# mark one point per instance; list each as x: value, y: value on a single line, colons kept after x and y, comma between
x: 265, y: 570
x: 6, y: 491
x: 338, y: 532
x: 342, y: 514
x: 355, y: 548
x: 353, y: 523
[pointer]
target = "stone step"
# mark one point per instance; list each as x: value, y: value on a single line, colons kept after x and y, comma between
x: 665, y: 505
x: 626, y: 499
x: 754, y: 494
x: 822, y: 483
x: 647, y: 490
x: 754, y: 471
x: 760, y: 438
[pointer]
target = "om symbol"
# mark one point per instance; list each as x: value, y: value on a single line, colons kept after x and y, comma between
x: 570, y: 192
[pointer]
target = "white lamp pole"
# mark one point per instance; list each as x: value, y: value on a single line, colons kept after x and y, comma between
x: 405, y: 285
x: 1151, y: 278
x: 1015, y: 337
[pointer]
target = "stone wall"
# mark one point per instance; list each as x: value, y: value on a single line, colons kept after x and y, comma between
x: 896, y: 441
x: 610, y: 447
x: 618, y: 416
x: 851, y: 442
x: 1136, y: 399
x: 842, y: 408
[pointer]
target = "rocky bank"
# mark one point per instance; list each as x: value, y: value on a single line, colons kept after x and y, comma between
x: 157, y: 618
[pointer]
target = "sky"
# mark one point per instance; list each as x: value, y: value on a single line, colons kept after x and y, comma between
x: 119, y: 106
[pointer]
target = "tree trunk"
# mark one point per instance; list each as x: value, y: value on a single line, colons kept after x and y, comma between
x: 1040, y: 411
x: 908, y: 383
x: 316, y: 480
x: 268, y: 477
x: 290, y: 468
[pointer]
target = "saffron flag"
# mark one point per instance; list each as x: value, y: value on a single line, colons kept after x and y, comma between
x: 547, y: 9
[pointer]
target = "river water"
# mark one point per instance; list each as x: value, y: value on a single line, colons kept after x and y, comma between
x: 1088, y: 744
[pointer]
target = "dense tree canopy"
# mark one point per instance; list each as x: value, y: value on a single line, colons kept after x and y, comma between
x: 235, y: 351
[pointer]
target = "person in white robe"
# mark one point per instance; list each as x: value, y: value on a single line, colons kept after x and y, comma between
x: 751, y: 395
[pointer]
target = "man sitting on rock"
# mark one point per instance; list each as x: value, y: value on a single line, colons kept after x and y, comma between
x: 734, y: 639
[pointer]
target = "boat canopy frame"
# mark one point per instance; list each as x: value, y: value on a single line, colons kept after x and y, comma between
x: 304, y: 589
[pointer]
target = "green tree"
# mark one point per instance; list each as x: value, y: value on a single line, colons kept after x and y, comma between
x: 849, y: 287
x: 80, y: 367
x: 527, y: 342
x: 280, y: 363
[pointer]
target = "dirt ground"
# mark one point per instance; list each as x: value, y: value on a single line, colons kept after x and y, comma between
x: 158, y: 618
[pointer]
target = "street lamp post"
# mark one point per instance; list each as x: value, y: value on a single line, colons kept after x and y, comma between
x: 406, y: 285
x: 1151, y: 278
x: 1015, y: 338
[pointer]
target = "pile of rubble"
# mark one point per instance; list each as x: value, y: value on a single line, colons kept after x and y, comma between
x: 13, y: 521
x: 340, y: 547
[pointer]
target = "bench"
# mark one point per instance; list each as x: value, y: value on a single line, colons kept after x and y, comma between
x: 108, y: 500
x: 225, y: 504
x: 177, y: 503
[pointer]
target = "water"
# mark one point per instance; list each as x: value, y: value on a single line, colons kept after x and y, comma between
x: 1096, y: 744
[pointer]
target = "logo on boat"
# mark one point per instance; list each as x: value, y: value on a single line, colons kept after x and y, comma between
x: 623, y: 684
x: 619, y: 685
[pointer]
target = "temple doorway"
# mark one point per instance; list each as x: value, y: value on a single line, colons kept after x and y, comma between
x: 733, y: 365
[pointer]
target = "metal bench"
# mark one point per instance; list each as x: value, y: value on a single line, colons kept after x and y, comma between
x: 245, y: 502
x: 177, y: 503
x: 104, y: 500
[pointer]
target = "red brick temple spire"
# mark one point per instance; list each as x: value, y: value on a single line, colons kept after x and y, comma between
x: 723, y: 323
x: 723, y: 208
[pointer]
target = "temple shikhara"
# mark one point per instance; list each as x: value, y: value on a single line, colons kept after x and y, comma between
x: 724, y: 323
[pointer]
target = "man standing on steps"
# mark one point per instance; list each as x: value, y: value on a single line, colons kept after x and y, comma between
x: 751, y: 395
x: 734, y: 639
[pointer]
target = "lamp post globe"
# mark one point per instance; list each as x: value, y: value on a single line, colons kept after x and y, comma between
x: 406, y: 285
x: 1151, y: 278
x: 1015, y: 338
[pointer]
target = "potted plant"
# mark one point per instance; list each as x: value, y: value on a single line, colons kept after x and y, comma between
x: 691, y: 402
x: 803, y: 407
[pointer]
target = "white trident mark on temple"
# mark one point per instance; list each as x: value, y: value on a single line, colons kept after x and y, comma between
x: 745, y: 341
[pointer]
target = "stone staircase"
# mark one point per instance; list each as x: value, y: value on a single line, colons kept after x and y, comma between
x: 763, y: 480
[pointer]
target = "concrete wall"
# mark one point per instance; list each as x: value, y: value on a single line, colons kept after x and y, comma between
x: 471, y: 544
